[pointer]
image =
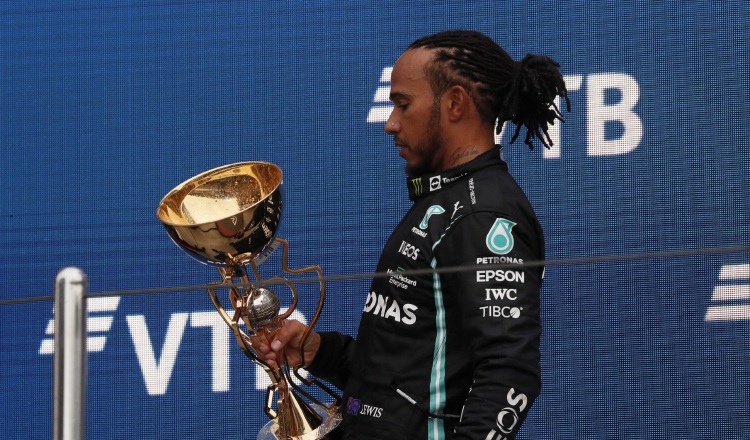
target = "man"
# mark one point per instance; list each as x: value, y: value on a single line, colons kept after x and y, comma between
x: 452, y: 352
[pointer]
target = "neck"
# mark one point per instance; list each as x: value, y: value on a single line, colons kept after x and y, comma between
x: 460, y: 151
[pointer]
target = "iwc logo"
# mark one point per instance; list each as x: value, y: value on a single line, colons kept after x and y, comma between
x: 499, y: 239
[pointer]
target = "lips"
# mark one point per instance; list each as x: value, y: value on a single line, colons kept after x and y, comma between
x: 402, y: 149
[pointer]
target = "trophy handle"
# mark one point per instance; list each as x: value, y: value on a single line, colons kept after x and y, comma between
x: 316, y: 315
x: 321, y: 298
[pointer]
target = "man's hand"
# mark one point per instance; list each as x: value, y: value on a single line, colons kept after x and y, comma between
x: 287, y: 341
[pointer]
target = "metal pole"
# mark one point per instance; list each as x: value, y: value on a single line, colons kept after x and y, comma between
x: 70, y: 364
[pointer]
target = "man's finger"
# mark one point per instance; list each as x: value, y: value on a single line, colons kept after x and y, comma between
x: 283, y: 335
x: 277, y: 345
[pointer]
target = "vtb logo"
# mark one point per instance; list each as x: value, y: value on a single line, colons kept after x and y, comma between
x: 98, y: 324
x: 157, y: 363
x: 731, y: 296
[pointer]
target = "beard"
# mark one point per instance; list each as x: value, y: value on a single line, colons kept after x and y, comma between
x: 425, y: 151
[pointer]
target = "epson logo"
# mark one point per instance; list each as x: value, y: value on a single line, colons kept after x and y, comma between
x: 157, y: 366
x: 515, y: 276
x: 600, y: 114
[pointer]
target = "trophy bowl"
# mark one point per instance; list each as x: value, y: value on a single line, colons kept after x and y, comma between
x: 229, y: 212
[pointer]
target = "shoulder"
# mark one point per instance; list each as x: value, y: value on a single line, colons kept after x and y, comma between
x: 490, y: 189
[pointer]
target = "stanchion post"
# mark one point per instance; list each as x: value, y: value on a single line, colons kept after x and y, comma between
x: 70, y: 363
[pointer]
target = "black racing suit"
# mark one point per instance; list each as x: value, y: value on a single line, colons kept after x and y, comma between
x: 450, y: 351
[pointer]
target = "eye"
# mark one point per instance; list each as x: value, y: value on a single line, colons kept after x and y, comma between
x: 400, y: 101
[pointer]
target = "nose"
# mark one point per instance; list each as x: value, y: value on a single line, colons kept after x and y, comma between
x: 391, y: 127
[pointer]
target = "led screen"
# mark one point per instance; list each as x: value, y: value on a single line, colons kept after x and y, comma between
x: 644, y: 200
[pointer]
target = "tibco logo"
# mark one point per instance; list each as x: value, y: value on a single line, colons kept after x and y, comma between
x: 731, y: 299
x: 97, y: 325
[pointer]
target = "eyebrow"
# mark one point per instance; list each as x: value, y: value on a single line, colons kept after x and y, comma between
x: 394, y: 96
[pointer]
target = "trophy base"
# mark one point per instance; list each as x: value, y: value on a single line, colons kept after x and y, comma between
x: 331, y: 419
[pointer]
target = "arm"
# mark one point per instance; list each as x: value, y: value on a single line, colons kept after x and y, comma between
x: 334, y: 358
x: 498, y: 311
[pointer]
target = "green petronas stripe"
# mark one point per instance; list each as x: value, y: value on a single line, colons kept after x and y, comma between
x: 435, y: 428
x: 437, y: 378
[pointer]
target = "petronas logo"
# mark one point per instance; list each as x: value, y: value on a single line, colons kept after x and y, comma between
x: 499, y: 239
x: 417, y: 186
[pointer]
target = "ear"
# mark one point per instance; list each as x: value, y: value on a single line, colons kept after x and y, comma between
x: 457, y: 102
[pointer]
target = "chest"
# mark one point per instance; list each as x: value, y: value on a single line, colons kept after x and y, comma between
x: 408, y: 261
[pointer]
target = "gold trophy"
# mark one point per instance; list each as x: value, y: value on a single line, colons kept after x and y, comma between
x: 227, y: 217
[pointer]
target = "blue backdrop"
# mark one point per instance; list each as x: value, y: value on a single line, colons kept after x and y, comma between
x: 105, y: 106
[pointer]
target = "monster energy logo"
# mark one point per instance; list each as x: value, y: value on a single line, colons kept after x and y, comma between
x: 417, y: 183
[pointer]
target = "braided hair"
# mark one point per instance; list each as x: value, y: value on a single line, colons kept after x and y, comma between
x: 502, y: 89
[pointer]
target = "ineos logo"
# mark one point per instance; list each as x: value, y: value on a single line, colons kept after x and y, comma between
x: 507, y: 418
x: 409, y: 250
